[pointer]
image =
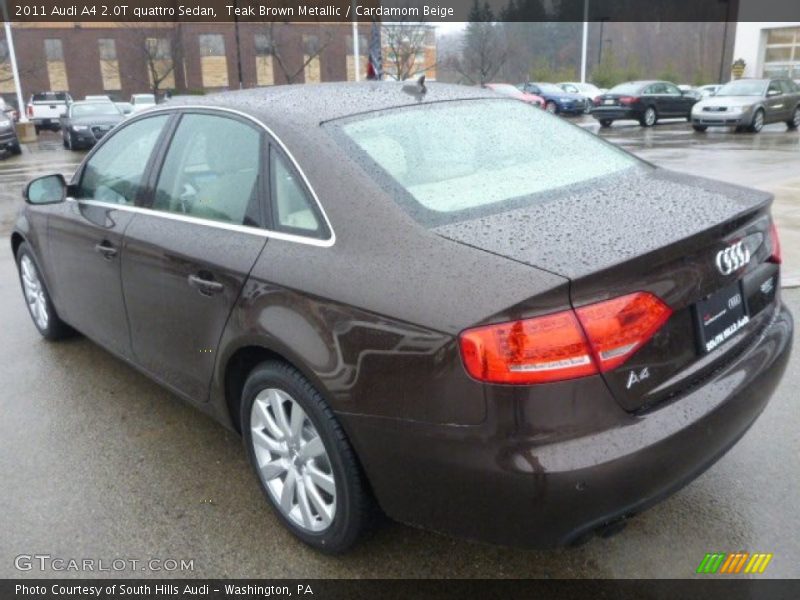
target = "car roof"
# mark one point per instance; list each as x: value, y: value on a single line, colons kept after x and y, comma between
x: 312, y: 104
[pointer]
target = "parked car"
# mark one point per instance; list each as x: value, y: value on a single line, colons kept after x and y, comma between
x: 8, y: 135
x: 126, y: 108
x: 709, y: 90
x: 45, y: 109
x: 750, y: 104
x: 142, y: 101
x: 689, y: 90
x: 589, y: 91
x: 509, y: 90
x: 9, y: 111
x: 417, y: 298
x: 643, y: 101
x: 556, y: 100
x: 87, y: 122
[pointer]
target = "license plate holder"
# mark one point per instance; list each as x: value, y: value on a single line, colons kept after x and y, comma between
x: 719, y: 316
x: 608, y: 101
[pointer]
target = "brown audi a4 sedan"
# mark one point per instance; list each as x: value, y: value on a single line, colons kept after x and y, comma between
x: 411, y: 298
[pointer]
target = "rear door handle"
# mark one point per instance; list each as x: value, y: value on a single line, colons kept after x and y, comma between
x: 204, y: 285
x: 107, y: 250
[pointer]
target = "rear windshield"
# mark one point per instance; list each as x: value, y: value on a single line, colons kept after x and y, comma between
x: 50, y: 97
x: 626, y: 88
x: 450, y: 161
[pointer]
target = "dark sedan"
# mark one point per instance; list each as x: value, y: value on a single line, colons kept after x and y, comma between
x: 556, y: 100
x: 487, y: 342
x: 643, y: 101
x: 87, y: 122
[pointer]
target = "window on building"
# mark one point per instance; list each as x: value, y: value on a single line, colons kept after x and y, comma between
x: 265, y: 74
x: 213, y: 62
x: 107, y: 48
x: 159, y: 48
x: 109, y: 67
x: 311, y: 54
x: 782, y: 53
x: 263, y: 44
x: 53, y: 50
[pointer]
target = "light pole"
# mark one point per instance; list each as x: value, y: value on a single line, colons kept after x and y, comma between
x: 23, y: 118
x: 583, y: 42
x: 356, y: 60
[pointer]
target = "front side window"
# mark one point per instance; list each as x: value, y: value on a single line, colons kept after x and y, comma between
x: 450, y: 160
x: 115, y: 171
x: 774, y: 88
x: 211, y: 171
x: 743, y: 87
x: 672, y: 90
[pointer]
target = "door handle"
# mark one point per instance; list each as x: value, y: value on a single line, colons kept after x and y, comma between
x: 205, y: 286
x: 107, y: 250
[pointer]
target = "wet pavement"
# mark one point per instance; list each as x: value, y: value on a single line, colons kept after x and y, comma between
x: 96, y: 461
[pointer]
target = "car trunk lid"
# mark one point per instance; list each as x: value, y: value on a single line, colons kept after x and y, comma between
x: 646, y: 230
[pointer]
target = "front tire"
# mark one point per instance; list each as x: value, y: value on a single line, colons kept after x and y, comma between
x: 16, y: 149
x: 794, y: 122
x: 306, y: 467
x: 649, y: 118
x: 605, y: 123
x: 551, y: 107
x: 758, y: 121
x: 37, y: 298
x: 700, y: 128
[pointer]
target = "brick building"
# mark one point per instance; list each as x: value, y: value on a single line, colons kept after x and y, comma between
x: 120, y: 59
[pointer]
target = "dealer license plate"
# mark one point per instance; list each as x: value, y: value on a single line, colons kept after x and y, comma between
x: 720, y: 316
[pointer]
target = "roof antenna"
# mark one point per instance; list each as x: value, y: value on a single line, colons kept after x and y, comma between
x: 418, y: 89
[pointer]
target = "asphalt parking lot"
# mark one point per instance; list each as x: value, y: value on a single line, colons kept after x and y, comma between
x: 98, y: 462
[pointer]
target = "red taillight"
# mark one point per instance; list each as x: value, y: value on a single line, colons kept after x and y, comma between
x: 619, y: 327
x: 563, y: 345
x: 597, y: 100
x: 30, y: 110
x: 775, y: 245
x: 628, y: 100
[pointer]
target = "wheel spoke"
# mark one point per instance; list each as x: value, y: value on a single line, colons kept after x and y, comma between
x: 263, y: 440
x: 313, y: 448
x: 323, y: 510
x: 279, y: 410
x: 305, y: 508
x: 267, y: 419
x: 287, y: 494
x: 271, y: 470
x: 321, y: 480
x: 296, y: 423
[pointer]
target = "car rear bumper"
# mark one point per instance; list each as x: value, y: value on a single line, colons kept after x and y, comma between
x: 614, y: 113
x: 491, y: 483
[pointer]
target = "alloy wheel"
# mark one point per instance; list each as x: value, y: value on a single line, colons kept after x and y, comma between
x: 550, y: 107
x: 796, y: 117
x: 34, y: 293
x: 758, y: 121
x: 292, y: 461
x: 650, y: 117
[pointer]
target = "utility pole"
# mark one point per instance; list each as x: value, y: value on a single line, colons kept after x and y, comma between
x: 356, y: 59
x: 23, y: 117
x: 238, y: 45
x: 584, y: 41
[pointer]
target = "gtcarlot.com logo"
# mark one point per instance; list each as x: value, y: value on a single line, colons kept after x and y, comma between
x: 46, y: 562
x: 735, y: 563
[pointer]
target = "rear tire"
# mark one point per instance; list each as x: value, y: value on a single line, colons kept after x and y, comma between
x: 700, y: 128
x: 37, y: 298
x: 16, y: 149
x: 794, y: 122
x: 551, y: 107
x: 605, y: 123
x: 649, y: 118
x: 290, y: 479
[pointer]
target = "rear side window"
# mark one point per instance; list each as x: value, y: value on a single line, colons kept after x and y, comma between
x: 115, y: 171
x: 450, y: 160
x: 211, y: 171
x: 292, y: 208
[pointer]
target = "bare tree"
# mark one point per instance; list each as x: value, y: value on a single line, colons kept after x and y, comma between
x: 6, y: 74
x: 484, y: 50
x: 405, y: 43
x: 161, y: 51
x: 279, y: 39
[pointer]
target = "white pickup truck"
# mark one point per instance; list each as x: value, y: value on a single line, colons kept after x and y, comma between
x: 46, y: 108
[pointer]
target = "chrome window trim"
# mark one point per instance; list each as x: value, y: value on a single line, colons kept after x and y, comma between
x: 278, y: 235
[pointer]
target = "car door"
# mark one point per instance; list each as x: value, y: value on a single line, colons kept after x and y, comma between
x: 187, y: 255
x: 777, y: 104
x: 790, y: 96
x: 678, y: 105
x: 85, y: 233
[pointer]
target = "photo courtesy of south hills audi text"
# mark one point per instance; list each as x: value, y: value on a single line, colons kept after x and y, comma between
x: 301, y: 295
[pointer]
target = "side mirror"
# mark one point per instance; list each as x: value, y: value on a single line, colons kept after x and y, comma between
x: 50, y: 189
x: 771, y: 93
